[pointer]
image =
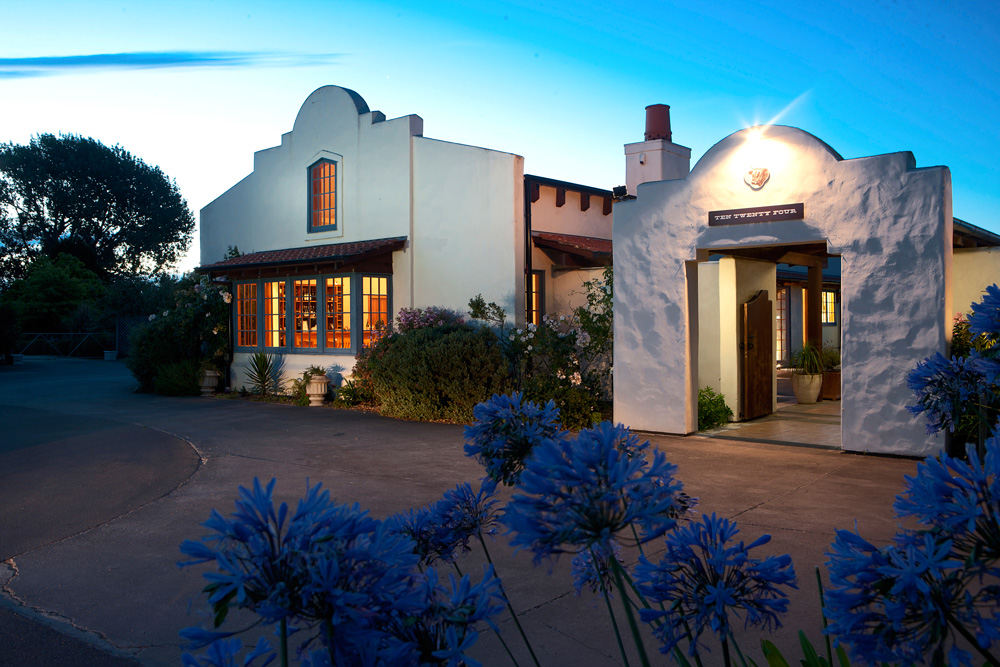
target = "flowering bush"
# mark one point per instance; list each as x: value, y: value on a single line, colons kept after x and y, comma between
x: 195, y: 329
x: 961, y: 394
x: 409, y: 319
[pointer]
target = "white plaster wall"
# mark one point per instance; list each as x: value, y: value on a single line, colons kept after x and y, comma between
x: 656, y: 160
x: 729, y: 372
x: 709, y: 327
x: 338, y: 368
x: 974, y: 270
x: 268, y: 209
x: 568, y: 218
x: 890, y: 222
x: 468, y: 227
x: 564, y: 289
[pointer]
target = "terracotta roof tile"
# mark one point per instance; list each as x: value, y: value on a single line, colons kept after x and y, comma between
x: 315, y: 253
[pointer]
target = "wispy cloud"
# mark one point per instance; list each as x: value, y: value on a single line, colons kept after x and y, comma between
x: 16, y: 68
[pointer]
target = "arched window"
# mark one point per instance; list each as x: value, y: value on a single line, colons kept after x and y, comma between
x: 323, y: 196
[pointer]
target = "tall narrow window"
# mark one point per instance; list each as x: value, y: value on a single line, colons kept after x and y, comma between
x: 781, y: 306
x: 304, y: 300
x: 323, y: 196
x: 828, y: 312
x: 274, y: 314
x: 375, y: 308
x: 338, y: 313
x: 535, y: 297
x: 246, y: 315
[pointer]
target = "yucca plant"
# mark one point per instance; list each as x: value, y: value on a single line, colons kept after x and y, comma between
x: 264, y: 372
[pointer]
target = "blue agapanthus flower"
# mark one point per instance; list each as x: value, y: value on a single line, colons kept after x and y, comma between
x: 585, y: 491
x: 889, y: 603
x: 945, y: 389
x: 592, y: 569
x: 705, y: 578
x: 505, y: 430
x: 910, y: 601
x: 985, y: 318
x: 445, y: 628
x: 442, y: 530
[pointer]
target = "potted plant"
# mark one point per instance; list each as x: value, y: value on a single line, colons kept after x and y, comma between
x: 830, y: 357
x: 807, y: 373
x: 317, y: 385
x: 208, y: 378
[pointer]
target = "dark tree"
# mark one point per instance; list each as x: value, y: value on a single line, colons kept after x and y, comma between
x: 67, y: 194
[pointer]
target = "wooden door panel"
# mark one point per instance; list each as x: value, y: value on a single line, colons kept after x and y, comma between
x: 756, y: 356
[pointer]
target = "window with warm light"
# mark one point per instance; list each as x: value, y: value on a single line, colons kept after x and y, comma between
x: 304, y: 303
x: 338, y: 313
x: 246, y: 315
x: 274, y: 314
x: 828, y: 307
x: 781, y: 307
x: 535, y: 298
x: 323, y: 196
x: 375, y: 308
x: 311, y: 314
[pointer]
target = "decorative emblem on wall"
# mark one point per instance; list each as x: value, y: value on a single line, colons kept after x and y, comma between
x: 756, y: 177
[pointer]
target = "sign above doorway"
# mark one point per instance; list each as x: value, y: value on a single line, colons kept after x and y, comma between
x: 742, y: 216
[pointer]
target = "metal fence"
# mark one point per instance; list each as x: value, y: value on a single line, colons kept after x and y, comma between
x: 93, y: 344
x: 124, y: 326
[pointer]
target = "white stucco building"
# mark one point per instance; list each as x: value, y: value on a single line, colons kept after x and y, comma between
x: 354, y: 216
x: 692, y: 247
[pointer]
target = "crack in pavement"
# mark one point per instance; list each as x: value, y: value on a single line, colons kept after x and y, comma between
x: 52, y: 619
x: 793, y: 489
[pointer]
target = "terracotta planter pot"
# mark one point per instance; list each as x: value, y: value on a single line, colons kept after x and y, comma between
x: 807, y: 387
x: 831, y: 386
x: 316, y: 389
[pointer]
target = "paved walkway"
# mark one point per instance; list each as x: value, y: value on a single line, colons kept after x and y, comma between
x: 107, y: 483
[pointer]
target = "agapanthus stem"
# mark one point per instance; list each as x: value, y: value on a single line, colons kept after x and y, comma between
x: 614, y: 624
x: 725, y: 653
x: 739, y: 653
x: 642, y: 598
x: 629, y: 614
x: 822, y: 605
x: 507, y: 648
x: 510, y: 607
x: 969, y: 637
x: 283, y: 641
x: 457, y: 568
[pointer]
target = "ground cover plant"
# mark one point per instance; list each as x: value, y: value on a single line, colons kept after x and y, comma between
x: 348, y: 589
x: 712, y: 409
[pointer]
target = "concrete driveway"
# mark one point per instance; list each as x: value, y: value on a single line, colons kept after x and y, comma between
x: 100, y: 485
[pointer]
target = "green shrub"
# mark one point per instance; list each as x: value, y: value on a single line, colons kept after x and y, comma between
x: 196, y: 328
x: 712, y: 409
x: 435, y: 372
x: 180, y: 378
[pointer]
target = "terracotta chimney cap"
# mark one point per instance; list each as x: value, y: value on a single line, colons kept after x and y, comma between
x: 658, y: 122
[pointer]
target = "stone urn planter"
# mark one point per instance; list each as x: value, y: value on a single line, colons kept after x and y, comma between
x: 209, y: 381
x: 807, y: 387
x: 316, y: 389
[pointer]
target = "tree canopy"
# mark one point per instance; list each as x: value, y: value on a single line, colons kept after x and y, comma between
x: 118, y: 215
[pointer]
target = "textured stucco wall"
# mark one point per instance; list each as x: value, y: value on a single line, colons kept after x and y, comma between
x: 974, y: 270
x: 890, y: 221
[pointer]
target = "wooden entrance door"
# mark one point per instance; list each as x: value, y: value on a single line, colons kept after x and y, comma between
x: 756, y: 357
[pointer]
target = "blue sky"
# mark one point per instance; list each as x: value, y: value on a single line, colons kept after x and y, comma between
x: 197, y: 87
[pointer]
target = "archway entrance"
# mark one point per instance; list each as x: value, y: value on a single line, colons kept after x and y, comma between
x: 756, y: 305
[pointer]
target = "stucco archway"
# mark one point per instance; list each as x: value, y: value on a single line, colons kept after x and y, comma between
x: 890, y: 222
